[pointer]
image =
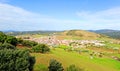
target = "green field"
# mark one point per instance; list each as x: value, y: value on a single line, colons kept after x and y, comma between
x: 81, y: 60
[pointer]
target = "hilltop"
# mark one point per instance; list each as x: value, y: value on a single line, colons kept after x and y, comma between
x: 80, y: 34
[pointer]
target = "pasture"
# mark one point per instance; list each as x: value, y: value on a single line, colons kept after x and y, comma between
x: 82, y: 60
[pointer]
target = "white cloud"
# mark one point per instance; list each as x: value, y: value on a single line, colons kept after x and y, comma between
x: 109, y: 18
x: 105, y: 16
x: 17, y: 18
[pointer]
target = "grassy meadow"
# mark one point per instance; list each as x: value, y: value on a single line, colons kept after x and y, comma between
x: 82, y: 60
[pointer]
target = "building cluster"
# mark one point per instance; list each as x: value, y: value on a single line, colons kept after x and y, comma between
x: 52, y: 40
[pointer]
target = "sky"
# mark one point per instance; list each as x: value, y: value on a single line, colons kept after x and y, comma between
x: 31, y: 15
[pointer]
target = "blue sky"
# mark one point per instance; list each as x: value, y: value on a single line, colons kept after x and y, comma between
x: 28, y: 15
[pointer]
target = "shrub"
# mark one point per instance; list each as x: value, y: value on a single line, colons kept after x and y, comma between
x: 12, y: 40
x: 73, y: 68
x: 19, y: 40
x: 7, y: 46
x: 16, y: 60
x: 2, y: 37
x: 42, y: 48
x: 29, y: 43
x: 55, y: 66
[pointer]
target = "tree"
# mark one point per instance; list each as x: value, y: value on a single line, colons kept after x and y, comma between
x: 7, y: 46
x: 73, y: 68
x: 16, y: 60
x: 55, y: 65
x: 29, y: 43
x: 19, y: 40
x: 2, y: 37
x: 42, y: 48
x: 12, y: 40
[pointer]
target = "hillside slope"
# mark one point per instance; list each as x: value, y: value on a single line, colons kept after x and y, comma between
x: 112, y: 33
x: 80, y: 34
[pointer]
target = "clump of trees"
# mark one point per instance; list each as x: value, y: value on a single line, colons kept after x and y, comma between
x: 41, y: 48
x: 28, y: 43
x: 12, y: 59
x: 16, y: 60
x: 11, y: 40
x: 7, y: 46
x: 2, y: 37
x: 54, y: 65
x: 8, y: 39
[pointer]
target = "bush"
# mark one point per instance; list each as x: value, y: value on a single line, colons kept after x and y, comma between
x: 55, y: 66
x: 42, y: 48
x: 12, y: 40
x: 29, y: 43
x: 16, y: 60
x: 73, y: 68
x: 2, y: 37
x: 19, y: 40
x: 7, y: 46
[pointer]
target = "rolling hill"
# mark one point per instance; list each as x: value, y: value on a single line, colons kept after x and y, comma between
x: 68, y: 34
x: 112, y: 33
x: 80, y: 34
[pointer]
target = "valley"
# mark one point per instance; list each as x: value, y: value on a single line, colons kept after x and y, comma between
x: 94, y: 53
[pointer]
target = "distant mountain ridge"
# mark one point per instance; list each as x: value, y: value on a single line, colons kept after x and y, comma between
x: 29, y: 32
x: 104, y: 30
x: 109, y: 32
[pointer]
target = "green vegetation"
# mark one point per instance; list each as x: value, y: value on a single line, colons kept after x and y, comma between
x: 7, y: 46
x: 111, y: 33
x: 41, y: 67
x: 111, y: 45
x: 2, y: 37
x: 12, y: 59
x: 41, y: 48
x: 83, y: 60
x: 55, y: 66
x: 73, y: 68
x: 29, y: 43
x: 8, y: 39
x: 12, y: 40
x: 16, y: 60
x: 69, y: 57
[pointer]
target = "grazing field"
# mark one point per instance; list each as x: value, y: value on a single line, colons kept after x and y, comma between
x: 82, y: 60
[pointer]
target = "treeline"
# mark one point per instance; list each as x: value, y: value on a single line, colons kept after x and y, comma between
x: 14, y: 33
